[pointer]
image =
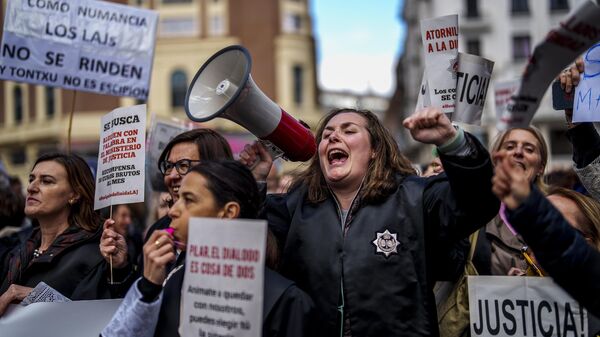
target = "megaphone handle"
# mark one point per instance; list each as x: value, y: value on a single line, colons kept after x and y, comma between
x: 273, y: 150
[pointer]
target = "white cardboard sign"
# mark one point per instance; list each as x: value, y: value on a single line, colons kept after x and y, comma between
x: 223, y: 285
x: 121, y: 156
x: 440, y: 43
x: 474, y: 75
x: 505, y: 306
x: 586, y: 105
x: 88, y: 45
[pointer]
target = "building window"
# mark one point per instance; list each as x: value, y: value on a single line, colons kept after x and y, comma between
x: 17, y: 156
x: 178, y: 88
x: 292, y: 23
x: 519, y: 7
x: 50, y: 109
x: 474, y: 46
x: 178, y: 26
x: 559, y: 5
x: 521, y: 47
x: 18, y: 104
x: 298, y: 83
x: 472, y: 8
x: 176, y: 1
x: 217, y: 27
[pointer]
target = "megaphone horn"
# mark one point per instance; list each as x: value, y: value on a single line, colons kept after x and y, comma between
x: 224, y: 88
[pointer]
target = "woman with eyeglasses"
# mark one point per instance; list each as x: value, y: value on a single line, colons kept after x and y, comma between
x: 181, y: 153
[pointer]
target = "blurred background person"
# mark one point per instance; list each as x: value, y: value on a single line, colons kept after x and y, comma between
x: 224, y: 190
x: 567, y: 254
x: 498, y: 248
x: 434, y: 167
x: 62, y: 250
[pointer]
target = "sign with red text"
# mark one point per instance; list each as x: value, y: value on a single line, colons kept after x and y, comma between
x: 586, y: 106
x: 87, y: 45
x: 440, y: 42
x: 561, y: 46
x: 223, y: 285
x: 523, y: 306
x: 121, y: 156
x: 503, y: 91
x: 474, y: 75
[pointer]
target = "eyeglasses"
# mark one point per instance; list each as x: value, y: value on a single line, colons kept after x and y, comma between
x: 182, y: 166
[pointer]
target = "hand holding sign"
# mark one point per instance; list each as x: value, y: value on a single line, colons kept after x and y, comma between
x: 586, y: 104
x: 113, y: 244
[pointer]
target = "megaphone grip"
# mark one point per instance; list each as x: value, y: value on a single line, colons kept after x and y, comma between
x: 296, y: 141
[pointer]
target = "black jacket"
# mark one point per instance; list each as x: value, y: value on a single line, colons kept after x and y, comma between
x: 76, y: 269
x: 562, y: 252
x: 287, y: 310
x: 383, y: 295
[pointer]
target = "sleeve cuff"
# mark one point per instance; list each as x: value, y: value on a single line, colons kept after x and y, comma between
x: 455, y: 145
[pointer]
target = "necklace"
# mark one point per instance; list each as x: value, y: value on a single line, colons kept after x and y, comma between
x: 37, y: 252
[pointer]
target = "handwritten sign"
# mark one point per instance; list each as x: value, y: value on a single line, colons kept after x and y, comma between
x: 586, y: 107
x: 523, y: 306
x: 87, y: 45
x: 474, y: 75
x: 121, y: 156
x: 224, y: 274
x: 561, y: 46
x: 440, y: 42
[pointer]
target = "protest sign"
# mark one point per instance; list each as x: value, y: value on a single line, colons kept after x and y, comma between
x: 474, y: 74
x: 224, y: 273
x: 586, y: 107
x: 503, y: 91
x: 121, y: 157
x: 523, y: 306
x: 423, y: 99
x: 87, y: 45
x: 58, y: 319
x: 560, y: 47
x: 440, y: 42
x: 159, y: 135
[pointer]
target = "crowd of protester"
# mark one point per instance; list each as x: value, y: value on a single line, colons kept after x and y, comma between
x: 355, y: 228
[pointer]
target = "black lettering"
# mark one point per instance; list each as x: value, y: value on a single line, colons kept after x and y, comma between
x: 56, y: 59
x: 479, y: 329
x: 469, y: 98
x: 569, y: 321
x: 496, y: 329
x: 523, y: 304
x: 549, y: 332
x: 510, y: 317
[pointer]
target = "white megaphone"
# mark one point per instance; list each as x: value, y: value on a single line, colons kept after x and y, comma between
x: 224, y: 88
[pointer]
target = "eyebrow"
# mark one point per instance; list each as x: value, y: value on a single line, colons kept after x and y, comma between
x: 344, y: 125
x: 42, y: 176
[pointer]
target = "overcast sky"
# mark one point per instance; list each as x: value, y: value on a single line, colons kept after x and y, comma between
x: 358, y: 43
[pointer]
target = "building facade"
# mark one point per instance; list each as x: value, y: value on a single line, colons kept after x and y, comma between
x: 504, y: 31
x: 278, y: 33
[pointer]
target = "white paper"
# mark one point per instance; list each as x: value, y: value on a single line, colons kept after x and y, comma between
x: 440, y: 43
x: 586, y: 104
x: 474, y: 75
x: 561, y: 46
x: 67, y: 319
x: 523, y: 306
x: 87, y: 45
x: 121, y: 157
x: 224, y: 278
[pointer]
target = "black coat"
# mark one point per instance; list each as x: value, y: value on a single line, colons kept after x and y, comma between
x: 287, y: 310
x: 383, y: 295
x: 560, y: 249
x: 76, y: 269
